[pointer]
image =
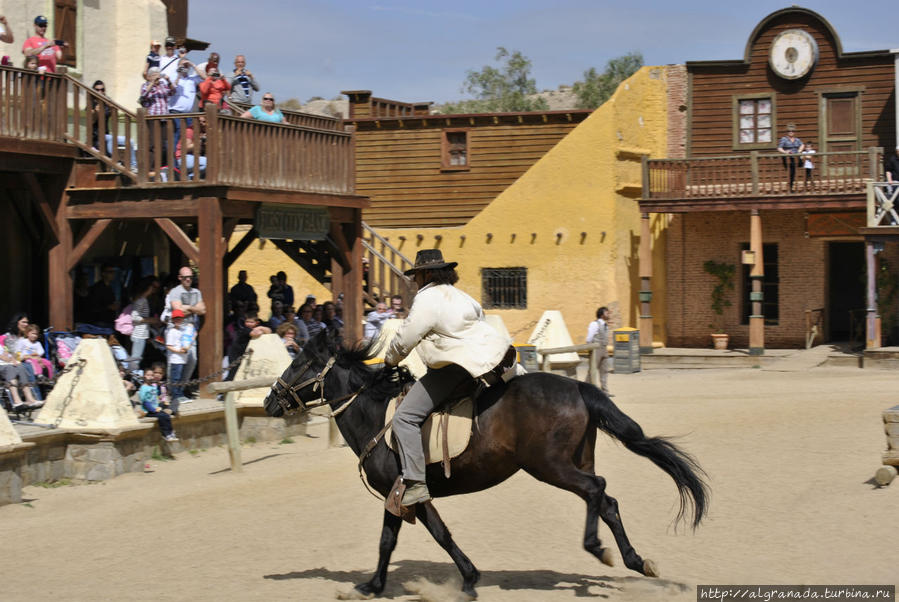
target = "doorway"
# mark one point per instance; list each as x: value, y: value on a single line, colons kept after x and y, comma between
x: 846, y: 284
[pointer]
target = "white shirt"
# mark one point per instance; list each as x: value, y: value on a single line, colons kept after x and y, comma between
x: 173, y: 339
x: 449, y: 327
x: 185, y: 97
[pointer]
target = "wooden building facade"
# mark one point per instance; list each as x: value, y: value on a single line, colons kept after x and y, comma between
x: 424, y: 170
x: 803, y: 261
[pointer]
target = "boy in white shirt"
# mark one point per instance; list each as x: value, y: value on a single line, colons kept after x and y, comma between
x: 176, y: 355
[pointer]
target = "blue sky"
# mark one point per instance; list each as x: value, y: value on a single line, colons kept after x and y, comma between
x: 420, y: 51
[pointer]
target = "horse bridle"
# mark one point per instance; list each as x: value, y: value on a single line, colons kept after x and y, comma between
x: 282, y: 387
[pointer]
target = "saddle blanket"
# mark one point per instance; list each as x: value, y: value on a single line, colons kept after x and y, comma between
x: 432, y: 433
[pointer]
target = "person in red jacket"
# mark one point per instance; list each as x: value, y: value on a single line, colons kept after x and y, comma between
x: 213, y: 89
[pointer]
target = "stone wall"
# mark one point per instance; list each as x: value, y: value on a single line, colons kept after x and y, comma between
x: 84, y: 456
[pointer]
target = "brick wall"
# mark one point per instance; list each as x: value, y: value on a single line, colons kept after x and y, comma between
x: 677, y: 111
x: 694, y: 238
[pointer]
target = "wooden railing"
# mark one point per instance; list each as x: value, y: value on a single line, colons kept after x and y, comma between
x: 883, y: 204
x: 245, y: 152
x: 386, y: 264
x: 32, y: 105
x: 760, y: 175
x: 310, y: 120
x: 103, y: 129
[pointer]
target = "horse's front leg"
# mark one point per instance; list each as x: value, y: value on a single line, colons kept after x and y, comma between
x: 427, y: 514
x: 389, y: 534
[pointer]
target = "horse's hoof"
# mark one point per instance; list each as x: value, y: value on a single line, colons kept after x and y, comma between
x: 470, y: 593
x: 650, y: 569
x: 607, y: 557
x: 360, y: 592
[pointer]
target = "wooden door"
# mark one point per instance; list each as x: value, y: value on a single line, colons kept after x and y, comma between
x: 840, y: 134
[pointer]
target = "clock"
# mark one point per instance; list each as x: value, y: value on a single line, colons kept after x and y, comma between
x: 793, y: 54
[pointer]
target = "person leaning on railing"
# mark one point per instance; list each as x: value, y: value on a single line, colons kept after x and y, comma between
x: 265, y: 112
x: 790, y: 145
x: 891, y: 170
x: 103, y: 111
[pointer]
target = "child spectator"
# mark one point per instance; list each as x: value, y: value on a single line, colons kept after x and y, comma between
x: 177, y: 355
x: 807, y: 156
x: 288, y: 333
x: 149, y: 401
x: 30, y: 349
x: 153, y: 57
x: 158, y: 368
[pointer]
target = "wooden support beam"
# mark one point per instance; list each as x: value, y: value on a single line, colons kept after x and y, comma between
x: 645, y: 268
x: 228, y: 227
x: 212, y: 249
x: 133, y: 209
x: 89, y: 238
x: 40, y: 199
x: 60, y: 288
x: 352, y: 280
x: 757, y: 275
x: 242, y: 245
x: 181, y: 239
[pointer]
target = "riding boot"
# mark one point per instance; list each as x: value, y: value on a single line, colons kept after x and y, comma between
x: 416, y: 492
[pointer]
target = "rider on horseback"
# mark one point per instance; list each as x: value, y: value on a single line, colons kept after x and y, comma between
x: 457, y: 345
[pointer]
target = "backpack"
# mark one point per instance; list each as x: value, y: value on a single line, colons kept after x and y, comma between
x: 123, y: 323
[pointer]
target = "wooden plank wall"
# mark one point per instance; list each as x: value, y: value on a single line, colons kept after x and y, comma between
x: 712, y: 89
x: 399, y: 168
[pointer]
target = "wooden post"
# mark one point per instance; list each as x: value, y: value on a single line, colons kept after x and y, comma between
x: 61, y: 288
x: 872, y: 332
x: 757, y: 275
x: 350, y: 279
x: 233, y: 431
x: 593, y: 368
x: 646, y: 323
x: 212, y: 250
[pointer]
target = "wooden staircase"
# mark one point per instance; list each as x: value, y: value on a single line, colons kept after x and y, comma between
x: 386, y: 264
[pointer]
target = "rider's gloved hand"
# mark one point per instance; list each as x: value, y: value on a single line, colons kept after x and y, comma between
x: 393, y: 373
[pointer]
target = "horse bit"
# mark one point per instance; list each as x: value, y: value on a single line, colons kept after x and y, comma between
x: 318, y: 384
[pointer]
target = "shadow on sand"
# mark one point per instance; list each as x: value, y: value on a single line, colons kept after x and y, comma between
x: 583, y: 586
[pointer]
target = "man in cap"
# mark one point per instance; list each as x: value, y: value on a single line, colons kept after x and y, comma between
x: 47, y: 52
x: 168, y: 63
x: 457, y: 345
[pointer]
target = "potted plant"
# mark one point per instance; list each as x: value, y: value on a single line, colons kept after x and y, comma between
x: 724, y: 272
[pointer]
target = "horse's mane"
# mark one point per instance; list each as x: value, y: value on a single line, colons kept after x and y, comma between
x: 324, y: 346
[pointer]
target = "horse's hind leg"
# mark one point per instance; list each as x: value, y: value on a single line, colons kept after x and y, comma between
x: 608, y: 510
x: 427, y: 514
x: 591, y: 489
x: 389, y: 533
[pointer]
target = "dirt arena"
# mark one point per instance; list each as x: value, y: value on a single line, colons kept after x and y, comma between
x: 790, y: 458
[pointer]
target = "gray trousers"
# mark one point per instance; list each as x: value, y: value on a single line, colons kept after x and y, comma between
x: 604, y: 365
x: 427, y: 394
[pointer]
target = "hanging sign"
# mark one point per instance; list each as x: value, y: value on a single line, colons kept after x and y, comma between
x: 293, y: 222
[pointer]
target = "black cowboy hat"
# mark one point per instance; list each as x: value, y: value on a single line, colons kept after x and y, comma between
x: 429, y: 259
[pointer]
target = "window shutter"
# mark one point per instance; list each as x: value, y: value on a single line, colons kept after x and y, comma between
x: 65, y: 28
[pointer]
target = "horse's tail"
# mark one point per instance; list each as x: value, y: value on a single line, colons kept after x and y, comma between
x: 680, y: 466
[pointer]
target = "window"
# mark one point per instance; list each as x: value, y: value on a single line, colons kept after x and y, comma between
x: 504, y: 288
x: 770, y: 303
x: 454, y: 150
x: 64, y: 28
x: 753, y: 122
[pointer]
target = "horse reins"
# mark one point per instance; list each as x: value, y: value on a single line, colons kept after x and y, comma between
x: 318, y: 384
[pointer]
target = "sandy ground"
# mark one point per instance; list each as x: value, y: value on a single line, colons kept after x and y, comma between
x: 790, y: 458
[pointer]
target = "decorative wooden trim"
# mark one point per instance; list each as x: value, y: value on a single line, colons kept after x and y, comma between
x: 181, y: 239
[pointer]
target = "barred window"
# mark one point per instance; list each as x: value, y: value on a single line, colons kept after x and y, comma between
x: 504, y: 288
x: 454, y: 150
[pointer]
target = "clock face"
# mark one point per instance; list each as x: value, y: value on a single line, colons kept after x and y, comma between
x: 793, y: 54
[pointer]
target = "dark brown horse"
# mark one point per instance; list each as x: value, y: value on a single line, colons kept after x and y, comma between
x: 542, y: 423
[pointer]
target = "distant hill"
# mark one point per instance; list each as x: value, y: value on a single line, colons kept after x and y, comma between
x: 558, y: 100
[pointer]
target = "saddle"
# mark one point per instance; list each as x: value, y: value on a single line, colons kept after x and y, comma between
x: 445, y: 434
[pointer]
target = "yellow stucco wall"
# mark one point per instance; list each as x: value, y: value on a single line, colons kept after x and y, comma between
x: 572, y: 219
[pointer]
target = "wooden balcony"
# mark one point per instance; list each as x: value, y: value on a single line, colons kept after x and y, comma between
x: 760, y: 181
x: 56, y: 110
